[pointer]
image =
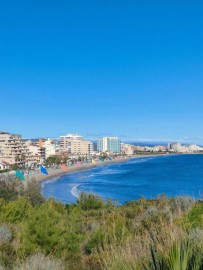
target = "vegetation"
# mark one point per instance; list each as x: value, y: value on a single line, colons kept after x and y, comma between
x: 38, y: 234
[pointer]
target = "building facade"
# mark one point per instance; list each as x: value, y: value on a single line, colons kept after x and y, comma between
x: 66, y: 139
x: 127, y: 149
x: 50, y: 148
x: 175, y: 147
x: 110, y: 144
x: 12, y: 148
x: 76, y: 144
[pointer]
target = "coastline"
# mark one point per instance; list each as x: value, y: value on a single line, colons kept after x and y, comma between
x: 59, y: 172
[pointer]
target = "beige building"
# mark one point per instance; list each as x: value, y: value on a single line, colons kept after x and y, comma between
x: 76, y: 144
x: 81, y: 147
x: 12, y: 148
x: 66, y: 139
x: 34, y: 153
x: 127, y: 149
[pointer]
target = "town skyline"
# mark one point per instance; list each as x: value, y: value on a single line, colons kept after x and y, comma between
x: 184, y: 140
x: 18, y: 152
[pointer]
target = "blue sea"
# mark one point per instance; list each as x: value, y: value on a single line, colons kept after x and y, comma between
x: 148, y: 177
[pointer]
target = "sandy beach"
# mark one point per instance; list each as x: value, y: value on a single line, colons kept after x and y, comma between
x: 59, y: 172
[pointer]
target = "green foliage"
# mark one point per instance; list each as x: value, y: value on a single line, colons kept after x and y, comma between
x: 179, y: 256
x: 8, y: 190
x: 49, y: 230
x: 161, y: 234
x: 15, y: 211
x: 195, y: 216
x: 90, y: 202
x: 7, y: 255
x: 5, y: 171
x: 33, y: 193
x: 53, y: 160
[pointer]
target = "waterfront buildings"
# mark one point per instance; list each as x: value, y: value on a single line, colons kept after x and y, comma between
x: 41, y: 149
x: 4, y: 165
x: 13, y: 149
x: 34, y: 154
x: 50, y: 148
x: 174, y: 147
x: 66, y: 139
x: 127, y: 149
x: 75, y: 144
x: 110, y: 144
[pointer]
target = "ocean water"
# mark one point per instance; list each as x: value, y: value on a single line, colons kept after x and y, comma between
x: 148, y: 177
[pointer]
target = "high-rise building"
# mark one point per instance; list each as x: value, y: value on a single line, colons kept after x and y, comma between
x: 76, y: 144
x: 66, y: 139
x: 110, y: 144
x: 12, y: 148
x: 50, y: 148
x: 176, y: 147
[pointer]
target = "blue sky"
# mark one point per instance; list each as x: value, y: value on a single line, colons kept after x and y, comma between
x: 128, y: 68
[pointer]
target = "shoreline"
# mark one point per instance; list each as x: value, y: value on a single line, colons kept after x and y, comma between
x: 39, y: 177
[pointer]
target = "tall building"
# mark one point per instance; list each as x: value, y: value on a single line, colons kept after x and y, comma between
x: 76, y: 144
x: 66, y: 139
x: 50, y: 148
x: 12, y: 148
x: 111, y: 144
x: 176, y: 147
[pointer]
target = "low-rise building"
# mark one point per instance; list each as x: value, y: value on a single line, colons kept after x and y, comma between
x: 4, y: 165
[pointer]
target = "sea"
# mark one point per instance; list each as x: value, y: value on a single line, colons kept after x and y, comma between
x: 148, y: 177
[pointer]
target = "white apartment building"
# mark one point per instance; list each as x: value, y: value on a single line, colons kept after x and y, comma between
x: 110, y: 144
x: 76, y: 144
x: 175, y: 147
x: 12, y: 148
x: 50, y: 148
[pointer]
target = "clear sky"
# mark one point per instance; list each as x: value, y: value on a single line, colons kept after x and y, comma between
x: 101, y: 67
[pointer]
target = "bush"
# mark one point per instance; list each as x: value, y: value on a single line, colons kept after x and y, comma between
x: 48, y: 230
x: 90, y: 202
x: 33, y: 192
x: 8, y: 191
x: 15, y: 211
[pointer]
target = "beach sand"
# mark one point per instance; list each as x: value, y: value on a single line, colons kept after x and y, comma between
x: 59, y: 172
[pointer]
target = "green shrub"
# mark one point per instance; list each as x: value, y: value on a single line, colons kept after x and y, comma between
x: 33, y: 192
x: 15, y: 211
x: 47, y: 229
x: 90, y: 202
x: 195, y: 216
